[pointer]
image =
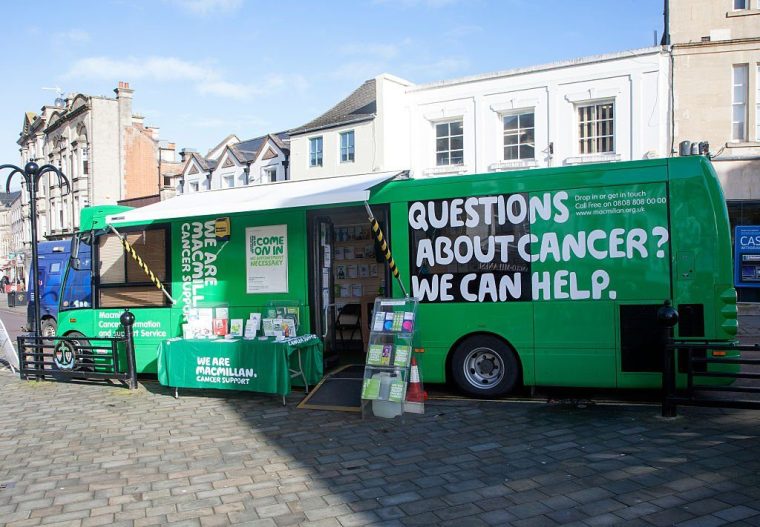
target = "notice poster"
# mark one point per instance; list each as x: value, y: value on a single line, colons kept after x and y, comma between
x: 267, y: 259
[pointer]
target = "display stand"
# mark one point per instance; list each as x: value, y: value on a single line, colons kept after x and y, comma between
x: 387, y: 372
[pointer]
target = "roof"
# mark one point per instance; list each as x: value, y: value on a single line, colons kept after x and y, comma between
x: 223, y: 142
x: 171, y: 168
x: 360, y: 106
x: 271, y: 196
x: 205, y: 163
x: 250, y: 149
x: 7, y: 198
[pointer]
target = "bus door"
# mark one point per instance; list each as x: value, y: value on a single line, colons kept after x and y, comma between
x: 321, y: 255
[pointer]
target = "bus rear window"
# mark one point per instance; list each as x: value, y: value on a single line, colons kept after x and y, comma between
x: 123, y: 283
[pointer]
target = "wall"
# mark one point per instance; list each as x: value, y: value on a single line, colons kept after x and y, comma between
x: 105, y: 178
x: 691, y: 20
x: 365, y: 139
x: 635, y: 80
x: 141, y: 163
x: 703, y: 79
x: 392, y: 121
x: 703, y: 86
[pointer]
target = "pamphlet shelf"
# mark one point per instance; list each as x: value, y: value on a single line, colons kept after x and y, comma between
x: 387, y: 372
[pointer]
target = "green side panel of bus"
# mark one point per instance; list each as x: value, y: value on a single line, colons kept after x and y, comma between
x: 213, y: 274
x: 663, y: 234
x: 676, y: 206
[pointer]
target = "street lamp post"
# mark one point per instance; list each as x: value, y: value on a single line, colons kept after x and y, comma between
x: 32, y: 173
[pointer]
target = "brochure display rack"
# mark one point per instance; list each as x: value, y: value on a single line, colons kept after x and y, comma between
x: 388, y: 370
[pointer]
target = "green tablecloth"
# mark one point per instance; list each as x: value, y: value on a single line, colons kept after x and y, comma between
x: 255, y: 365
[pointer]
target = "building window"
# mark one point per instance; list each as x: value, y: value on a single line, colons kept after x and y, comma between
x: 740, y: 4
x: 596, y: 128
x: 194, y: 186
x: 449, y: 143
x: 519, y: 136
x: 269, y: 174
x: 229, y: 181
x: 739, y: 103
x: 347, y: 147
x: 122, y: 282
x: 315, y: 151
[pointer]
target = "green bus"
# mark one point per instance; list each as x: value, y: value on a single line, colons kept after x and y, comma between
x: 547, y: 277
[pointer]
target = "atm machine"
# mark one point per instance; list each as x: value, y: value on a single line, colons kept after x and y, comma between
x: 747, y: 256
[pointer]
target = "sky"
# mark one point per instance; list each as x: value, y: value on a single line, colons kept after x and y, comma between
x: 204, y: 69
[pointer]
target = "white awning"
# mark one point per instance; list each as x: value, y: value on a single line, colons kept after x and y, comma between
x: 270, y: 196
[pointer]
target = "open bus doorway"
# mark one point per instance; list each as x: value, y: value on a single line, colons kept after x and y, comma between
x: 347, y: 272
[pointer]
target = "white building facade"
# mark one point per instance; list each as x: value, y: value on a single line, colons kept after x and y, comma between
x: 605, y: 108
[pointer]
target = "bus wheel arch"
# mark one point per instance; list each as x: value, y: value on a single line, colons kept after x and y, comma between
x: 484, y: 365
x: 48, y: 327
x: 80, y: 340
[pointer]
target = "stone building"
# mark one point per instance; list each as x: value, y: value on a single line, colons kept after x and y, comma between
x: 106, y: 152
x: 6, y: 236
x: 716, y: 92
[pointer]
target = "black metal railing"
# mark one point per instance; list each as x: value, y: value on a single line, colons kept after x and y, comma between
x: 80, y: 357
x: 710, y: 379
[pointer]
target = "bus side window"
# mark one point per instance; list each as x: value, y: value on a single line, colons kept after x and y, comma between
x: 123, y: 283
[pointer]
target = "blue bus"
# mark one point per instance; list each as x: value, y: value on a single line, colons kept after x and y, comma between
x: 53, y: 257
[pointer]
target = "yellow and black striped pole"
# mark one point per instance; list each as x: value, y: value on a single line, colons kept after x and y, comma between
x: 136, y: 257
x: 378, y: 233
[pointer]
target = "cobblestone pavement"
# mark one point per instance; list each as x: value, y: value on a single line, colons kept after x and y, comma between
x: 82, y: 455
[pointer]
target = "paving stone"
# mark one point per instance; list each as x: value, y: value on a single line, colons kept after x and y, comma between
x: 459, y: 511
x: 668, y: 517
x: 736, y: 513
x: 536, y: 521
x: 221, y: 458
x: 703, y: 521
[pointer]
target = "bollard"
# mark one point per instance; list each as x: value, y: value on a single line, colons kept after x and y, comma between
x: 667, y: 318
x: 127, y: 319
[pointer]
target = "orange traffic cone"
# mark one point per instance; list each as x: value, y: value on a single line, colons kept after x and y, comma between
x: 415, y: 393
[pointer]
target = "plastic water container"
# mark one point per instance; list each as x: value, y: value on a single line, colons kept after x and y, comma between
x: 385, y: 408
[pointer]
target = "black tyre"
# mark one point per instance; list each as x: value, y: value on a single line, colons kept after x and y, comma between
x: 484, y: 366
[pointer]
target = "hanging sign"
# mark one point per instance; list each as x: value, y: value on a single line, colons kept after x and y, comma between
x: 267, y: 259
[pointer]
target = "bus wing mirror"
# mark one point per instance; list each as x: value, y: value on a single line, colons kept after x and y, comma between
x: 74, y: 258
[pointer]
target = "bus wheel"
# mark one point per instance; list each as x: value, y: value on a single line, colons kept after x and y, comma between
x: 48, y: 327
x: 484, y: 366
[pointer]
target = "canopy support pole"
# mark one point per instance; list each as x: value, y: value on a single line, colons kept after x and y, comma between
x: 378, y: 232
x: 131, y: 250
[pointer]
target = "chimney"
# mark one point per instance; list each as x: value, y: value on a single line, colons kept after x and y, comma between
x: 124, y: 90
x: 139, y: 120
x: 184, y: 154
x: 124, y: 99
